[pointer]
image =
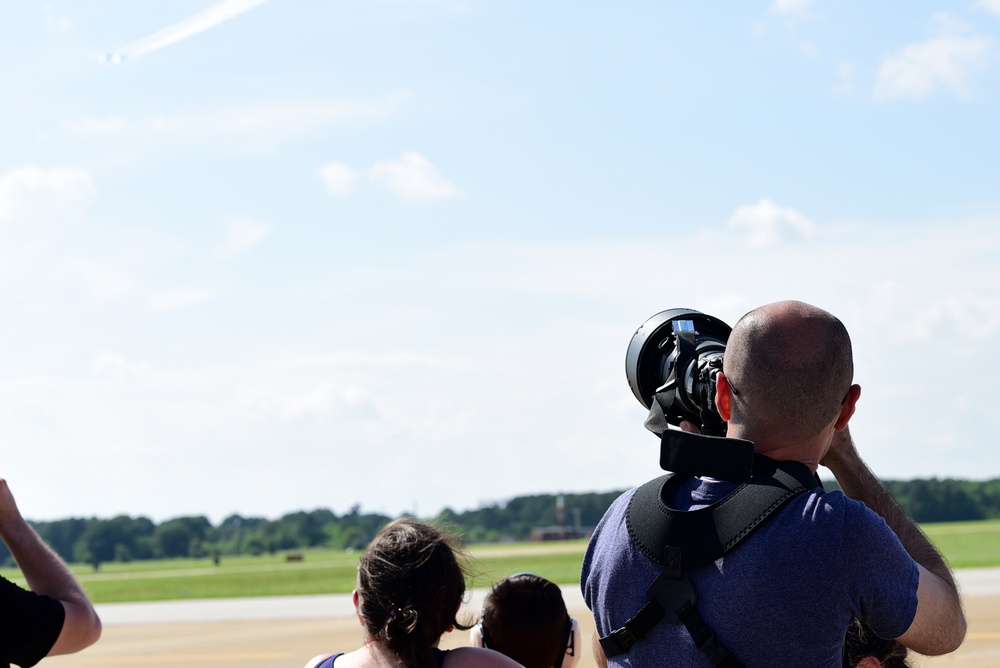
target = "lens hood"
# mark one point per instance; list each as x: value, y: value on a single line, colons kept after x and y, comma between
x: 647, y: 359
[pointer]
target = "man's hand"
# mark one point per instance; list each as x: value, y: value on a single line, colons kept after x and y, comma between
x: 688, y: 426
x: 841, y: 452
x: 8, y: 508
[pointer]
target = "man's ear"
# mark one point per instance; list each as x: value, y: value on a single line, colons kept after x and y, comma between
x: 847, y: 410
x: 723, y: 396
x: 869, y: 662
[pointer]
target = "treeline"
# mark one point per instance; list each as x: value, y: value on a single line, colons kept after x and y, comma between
x: 515, y: 519
x: 927, y: 500
x: 948, y: 500
x: 944, y: 500
x: 96, y: 541
x: 126, y: 538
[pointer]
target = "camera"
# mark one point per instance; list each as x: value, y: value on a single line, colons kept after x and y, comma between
x: 673, y: 360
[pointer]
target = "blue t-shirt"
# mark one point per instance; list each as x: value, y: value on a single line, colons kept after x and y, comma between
x: 785, y: 597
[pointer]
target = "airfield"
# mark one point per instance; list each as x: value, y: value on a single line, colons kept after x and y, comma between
x: 286, y: 631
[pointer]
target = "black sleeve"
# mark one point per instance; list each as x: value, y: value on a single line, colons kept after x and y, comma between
x: 29, y: 624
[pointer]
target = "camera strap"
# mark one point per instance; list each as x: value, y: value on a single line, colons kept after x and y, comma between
x: 681, y: 540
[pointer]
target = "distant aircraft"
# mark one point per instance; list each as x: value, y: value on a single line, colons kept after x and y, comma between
x: 112, y: 58
x: 203, y: 20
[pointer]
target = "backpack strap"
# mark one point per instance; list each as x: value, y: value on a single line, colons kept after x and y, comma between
x: 681, y: 540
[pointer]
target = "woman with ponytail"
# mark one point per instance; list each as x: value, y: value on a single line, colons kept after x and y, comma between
x: 410, y: 586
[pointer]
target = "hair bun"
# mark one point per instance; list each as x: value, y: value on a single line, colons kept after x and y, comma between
x: 404, y: 619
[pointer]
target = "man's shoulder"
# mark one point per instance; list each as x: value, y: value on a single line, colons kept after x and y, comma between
x: 821, y: 504
x: 826, y: 517
x: 618, y: 508
x: 610, y: 541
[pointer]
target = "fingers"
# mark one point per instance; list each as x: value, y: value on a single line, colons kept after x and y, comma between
x: 689, y: 426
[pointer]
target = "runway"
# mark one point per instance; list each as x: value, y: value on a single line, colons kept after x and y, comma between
x: 286, y: 631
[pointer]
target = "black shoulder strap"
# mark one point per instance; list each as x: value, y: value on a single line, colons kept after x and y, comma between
x: 680, y: 540
x: 706, y: 534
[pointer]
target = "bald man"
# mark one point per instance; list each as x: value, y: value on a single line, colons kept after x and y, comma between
x: 787, y: 594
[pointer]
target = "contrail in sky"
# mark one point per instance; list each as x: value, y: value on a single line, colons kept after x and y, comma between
x: 218, y: 13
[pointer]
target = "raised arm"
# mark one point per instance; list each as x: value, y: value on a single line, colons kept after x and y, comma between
x: 939, y: 625
x: 46, y: 574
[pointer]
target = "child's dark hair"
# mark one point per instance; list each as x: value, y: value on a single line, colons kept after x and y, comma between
x: 410, y: 584
x: 861, y: 642
x: 525, y: 618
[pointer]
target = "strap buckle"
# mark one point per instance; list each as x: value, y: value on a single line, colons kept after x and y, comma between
x: 618, y: 641
x: 671, y: 589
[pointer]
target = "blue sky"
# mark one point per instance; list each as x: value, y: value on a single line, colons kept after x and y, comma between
x: 259, y: 256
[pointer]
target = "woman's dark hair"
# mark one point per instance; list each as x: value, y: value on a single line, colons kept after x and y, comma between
x: 862, y: 642
x: 410, y: 584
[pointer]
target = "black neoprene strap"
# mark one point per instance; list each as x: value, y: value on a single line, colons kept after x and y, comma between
x: 706, y: 534
x: 681, y: 540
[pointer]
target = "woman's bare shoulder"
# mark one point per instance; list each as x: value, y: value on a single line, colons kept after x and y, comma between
x: 470, y: 657
x: 316, y: 660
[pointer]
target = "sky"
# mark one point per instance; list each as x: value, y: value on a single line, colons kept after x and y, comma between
x: 261, y: 256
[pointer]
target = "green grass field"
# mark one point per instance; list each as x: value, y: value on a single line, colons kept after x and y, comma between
x: 965, y: 545
x: 320, y: 572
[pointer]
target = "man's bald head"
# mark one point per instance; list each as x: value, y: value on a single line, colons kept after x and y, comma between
x: 790, y: 366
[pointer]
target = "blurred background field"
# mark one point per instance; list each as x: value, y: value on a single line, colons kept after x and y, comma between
x: 329, y: 571
x: 967, y: 544
x: 311, y: 571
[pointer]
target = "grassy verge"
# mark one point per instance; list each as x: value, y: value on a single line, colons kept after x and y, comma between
x: 965, y: 545
x: 319, y: 572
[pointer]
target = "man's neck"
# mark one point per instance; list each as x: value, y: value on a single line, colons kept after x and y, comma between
x: 782, y: 449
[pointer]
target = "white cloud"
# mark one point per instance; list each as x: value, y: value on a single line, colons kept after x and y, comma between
x: 414, y: 179
x: 339, y: 179
x: 810, y: 50
x: 767, y: 224
x: 990, y: 6
x: 103, y: 283
x: 240, y: 234
x: 56, y: 21
x: 909, y: 294
x: 112, y: 365
x: 846, y: 77
x: 208, y: 18
x: 790, y: 7
x: 171, y: 300
x: 948, y: 61
x: 95, y: 127
x: 36, y: 193
x: 51, y: 250
x: 325, y: 400
x: 247, y: 127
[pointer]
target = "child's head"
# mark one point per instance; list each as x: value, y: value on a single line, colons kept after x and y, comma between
x: 864, y: 649
x: 525, y: 618
x: 410, y: 585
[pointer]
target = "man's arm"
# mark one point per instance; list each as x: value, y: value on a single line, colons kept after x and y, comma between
x: 939, y: 625
x: 47, y: 574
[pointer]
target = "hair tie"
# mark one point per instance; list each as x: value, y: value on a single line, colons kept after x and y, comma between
x: 403, y: 617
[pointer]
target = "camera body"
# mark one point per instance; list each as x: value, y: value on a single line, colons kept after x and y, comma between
x: 673, y: 361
